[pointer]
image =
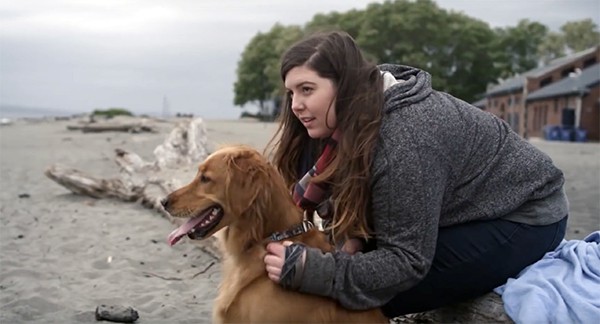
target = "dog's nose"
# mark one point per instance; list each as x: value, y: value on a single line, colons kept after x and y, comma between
x: 165, y: 202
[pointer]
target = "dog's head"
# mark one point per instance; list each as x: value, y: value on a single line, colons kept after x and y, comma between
x: 233, y: 187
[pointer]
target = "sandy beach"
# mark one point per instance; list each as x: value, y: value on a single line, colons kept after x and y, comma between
x: 62, y: 255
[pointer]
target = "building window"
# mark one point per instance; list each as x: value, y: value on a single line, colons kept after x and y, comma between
x: 565, y: 72
x: 589, y: 62
x: 547, y: 81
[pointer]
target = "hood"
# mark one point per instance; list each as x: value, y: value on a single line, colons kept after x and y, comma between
x: 414, y: 85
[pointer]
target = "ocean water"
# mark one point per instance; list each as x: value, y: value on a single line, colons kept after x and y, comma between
x: 15, y: 112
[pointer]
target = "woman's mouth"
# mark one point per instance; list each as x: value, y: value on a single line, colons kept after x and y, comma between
x: 306, y: 121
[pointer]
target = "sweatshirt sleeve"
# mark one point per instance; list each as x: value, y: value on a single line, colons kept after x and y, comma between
x: 407, y: 191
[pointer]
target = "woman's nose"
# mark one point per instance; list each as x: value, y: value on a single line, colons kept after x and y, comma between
x: 297, y: 105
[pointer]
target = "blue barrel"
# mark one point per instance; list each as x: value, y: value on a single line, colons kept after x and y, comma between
x: 581, y: 135
x: 552, y: 132
x: 567, y: 134
x: 555, y: 133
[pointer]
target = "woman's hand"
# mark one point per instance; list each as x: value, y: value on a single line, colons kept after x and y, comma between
x: 275, y: 259
x: 353, y: 245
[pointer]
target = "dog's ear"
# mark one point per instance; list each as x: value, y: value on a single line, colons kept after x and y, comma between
x: 248, y: 190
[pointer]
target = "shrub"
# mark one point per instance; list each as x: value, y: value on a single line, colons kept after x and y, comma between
x: 112, y: 112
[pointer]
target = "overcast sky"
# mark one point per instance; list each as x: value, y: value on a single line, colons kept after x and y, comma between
x: 78, y: 55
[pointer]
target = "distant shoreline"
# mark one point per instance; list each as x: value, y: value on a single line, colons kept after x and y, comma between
x: 18, y: 112
x: 23, y: 113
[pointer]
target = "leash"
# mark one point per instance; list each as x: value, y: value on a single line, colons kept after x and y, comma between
x: 301, y: 228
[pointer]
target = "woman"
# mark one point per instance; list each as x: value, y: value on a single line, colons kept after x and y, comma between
x: 437, y: 201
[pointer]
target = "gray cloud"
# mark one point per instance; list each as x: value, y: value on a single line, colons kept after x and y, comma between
x: 78, y: 56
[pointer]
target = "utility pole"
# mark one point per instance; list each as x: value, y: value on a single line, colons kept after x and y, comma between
x: 165, y: 108
x: 524, y: 120
x: 579, y: 90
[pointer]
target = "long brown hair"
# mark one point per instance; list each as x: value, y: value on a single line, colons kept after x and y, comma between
x: 359, y: 102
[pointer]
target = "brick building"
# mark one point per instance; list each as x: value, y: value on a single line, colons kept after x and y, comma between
x: 574, y: 100
x: 549, y: 95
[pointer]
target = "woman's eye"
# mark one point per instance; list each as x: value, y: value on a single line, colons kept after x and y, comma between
x: 204, y: 179
x: 306, y: 90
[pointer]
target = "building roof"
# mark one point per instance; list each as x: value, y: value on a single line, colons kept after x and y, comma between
x: 590, y: 76
x: 480, y: 103
x: 507, y: 86
x: 536, y: 73
x: 516, y: 83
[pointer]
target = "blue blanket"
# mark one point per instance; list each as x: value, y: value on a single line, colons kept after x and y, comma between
x: 563, y: 287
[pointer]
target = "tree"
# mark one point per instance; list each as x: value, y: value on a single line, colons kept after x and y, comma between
x: 518, y: 47
x: 349, y: 22
x: 463, y: 54
x: 466, y: 56
x: 552, y: 46
x: 580, y: 35
x: 456, y: 49
x: 257, y: 72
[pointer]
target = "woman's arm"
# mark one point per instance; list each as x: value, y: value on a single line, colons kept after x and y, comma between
x: 407, y: 191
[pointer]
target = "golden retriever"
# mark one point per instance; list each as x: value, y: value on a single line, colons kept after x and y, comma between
x: 237, y: 189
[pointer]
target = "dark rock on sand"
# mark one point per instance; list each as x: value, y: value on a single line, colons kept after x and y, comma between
x: 116, y: 313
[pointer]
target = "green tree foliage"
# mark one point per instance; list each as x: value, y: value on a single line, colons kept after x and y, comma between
x: 466, y: 62
x: 518, y: 47
x: 463, y: 54
x: 454, y: 48
x: 349, y: 22
x: 111, y: 112
x: 580, y: 35
x: 552, y: 46
x: 258, y: 70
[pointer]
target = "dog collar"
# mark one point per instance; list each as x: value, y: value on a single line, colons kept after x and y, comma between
x: 301, y: 228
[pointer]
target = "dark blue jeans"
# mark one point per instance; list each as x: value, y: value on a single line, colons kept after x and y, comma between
x: 474, y: 258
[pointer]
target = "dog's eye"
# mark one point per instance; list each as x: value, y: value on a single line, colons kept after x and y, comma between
x: 204, y: 179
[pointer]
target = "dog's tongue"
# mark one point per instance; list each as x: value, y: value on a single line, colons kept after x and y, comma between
x: 182, y: 230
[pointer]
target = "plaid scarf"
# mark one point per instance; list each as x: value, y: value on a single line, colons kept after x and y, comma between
x: 313, y: 196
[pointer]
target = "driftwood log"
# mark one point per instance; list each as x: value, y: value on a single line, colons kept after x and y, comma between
x: 140, y: 180
x: 116, y: 124
x: 176, y: 161
x: 128, y: 128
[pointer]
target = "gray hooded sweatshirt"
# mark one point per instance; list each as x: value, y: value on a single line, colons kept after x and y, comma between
x: 439, y: 162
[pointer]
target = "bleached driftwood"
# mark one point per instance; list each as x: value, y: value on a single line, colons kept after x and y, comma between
x: 175, y: 164
x: 176, y: 160
x: 85, y: 184
x: 128, y: 128
x: 182, y: 150
x: 127, y: 124
x: 184, y: 146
